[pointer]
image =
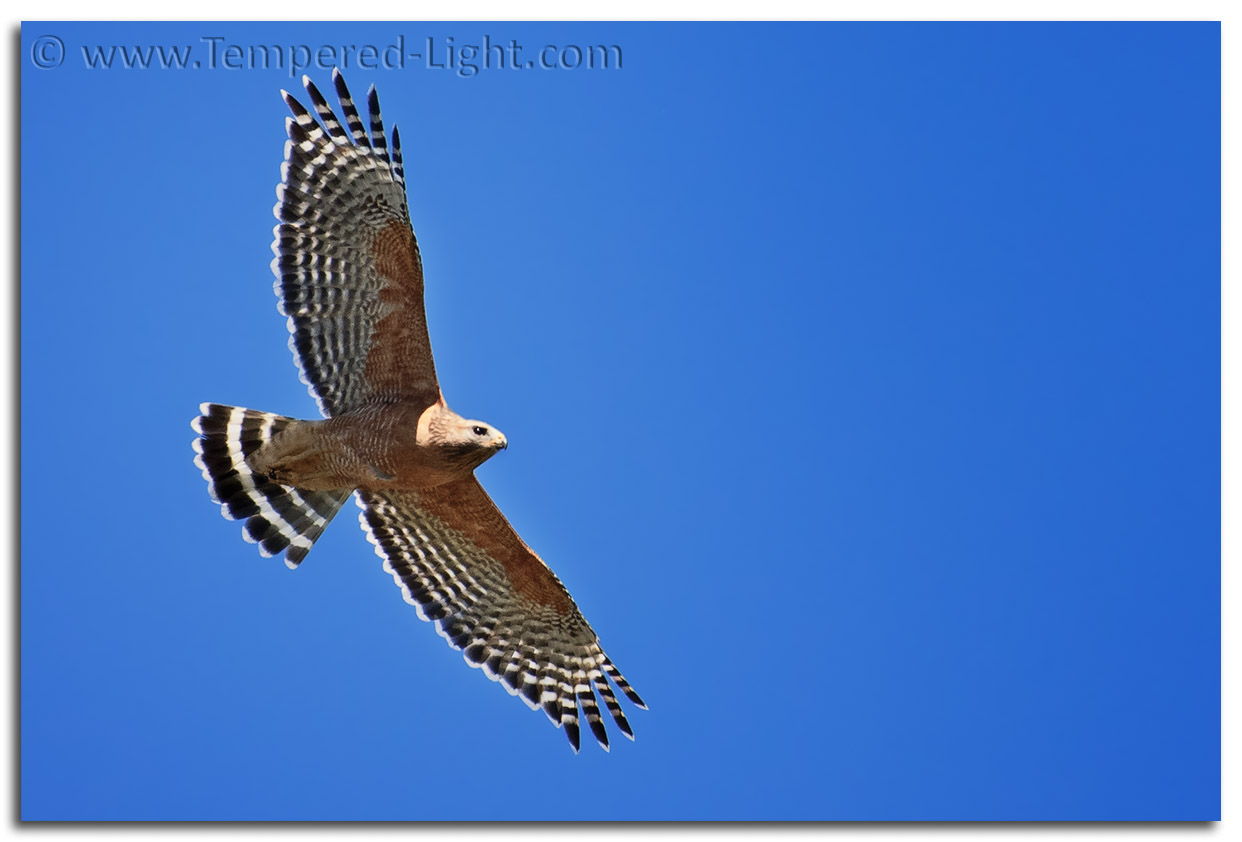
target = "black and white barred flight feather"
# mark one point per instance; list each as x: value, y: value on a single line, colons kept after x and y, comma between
x: 278, y: 518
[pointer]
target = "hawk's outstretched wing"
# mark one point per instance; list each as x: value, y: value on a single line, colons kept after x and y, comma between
x: 348, y: 271
x: 459, y: 562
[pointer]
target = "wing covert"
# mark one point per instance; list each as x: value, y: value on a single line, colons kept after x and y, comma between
x: 348, y: 272
x: 462, y: 566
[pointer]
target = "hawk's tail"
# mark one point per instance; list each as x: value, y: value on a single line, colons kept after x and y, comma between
x: 278, y: 517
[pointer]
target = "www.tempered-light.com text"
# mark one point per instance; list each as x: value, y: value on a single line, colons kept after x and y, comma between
x: 218, y: 53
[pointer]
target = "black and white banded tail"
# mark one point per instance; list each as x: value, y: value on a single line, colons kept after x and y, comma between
x: 277, y: 517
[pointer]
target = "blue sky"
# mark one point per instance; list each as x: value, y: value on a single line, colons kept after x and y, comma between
x: 861, y: 383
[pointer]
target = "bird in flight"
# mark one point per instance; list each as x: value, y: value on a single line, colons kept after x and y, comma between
x: 349, y: 279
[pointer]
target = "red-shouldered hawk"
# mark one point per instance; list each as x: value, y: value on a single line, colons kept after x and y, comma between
x: 350, y: 281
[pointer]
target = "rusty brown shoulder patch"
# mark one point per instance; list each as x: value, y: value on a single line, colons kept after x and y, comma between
x: 464, y: 506
x: 397, y: 258
x: 399, y: 361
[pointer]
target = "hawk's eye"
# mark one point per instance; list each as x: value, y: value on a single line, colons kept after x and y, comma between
x: 479, y: 431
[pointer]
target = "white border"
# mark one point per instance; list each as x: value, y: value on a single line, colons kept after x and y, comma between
x: 1231, y: 502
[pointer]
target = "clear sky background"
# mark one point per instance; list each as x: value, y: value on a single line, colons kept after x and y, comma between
x: 861, y: 383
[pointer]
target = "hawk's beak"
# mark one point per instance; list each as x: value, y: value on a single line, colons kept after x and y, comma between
x: 504, y: 443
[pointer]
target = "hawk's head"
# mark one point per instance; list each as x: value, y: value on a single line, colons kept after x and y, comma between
x: 462, y: 443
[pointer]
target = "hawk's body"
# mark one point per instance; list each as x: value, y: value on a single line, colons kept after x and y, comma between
x: 380, y: 447
x: 350, y: 280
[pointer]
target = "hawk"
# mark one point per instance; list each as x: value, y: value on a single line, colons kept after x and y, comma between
x: 349, y: 279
